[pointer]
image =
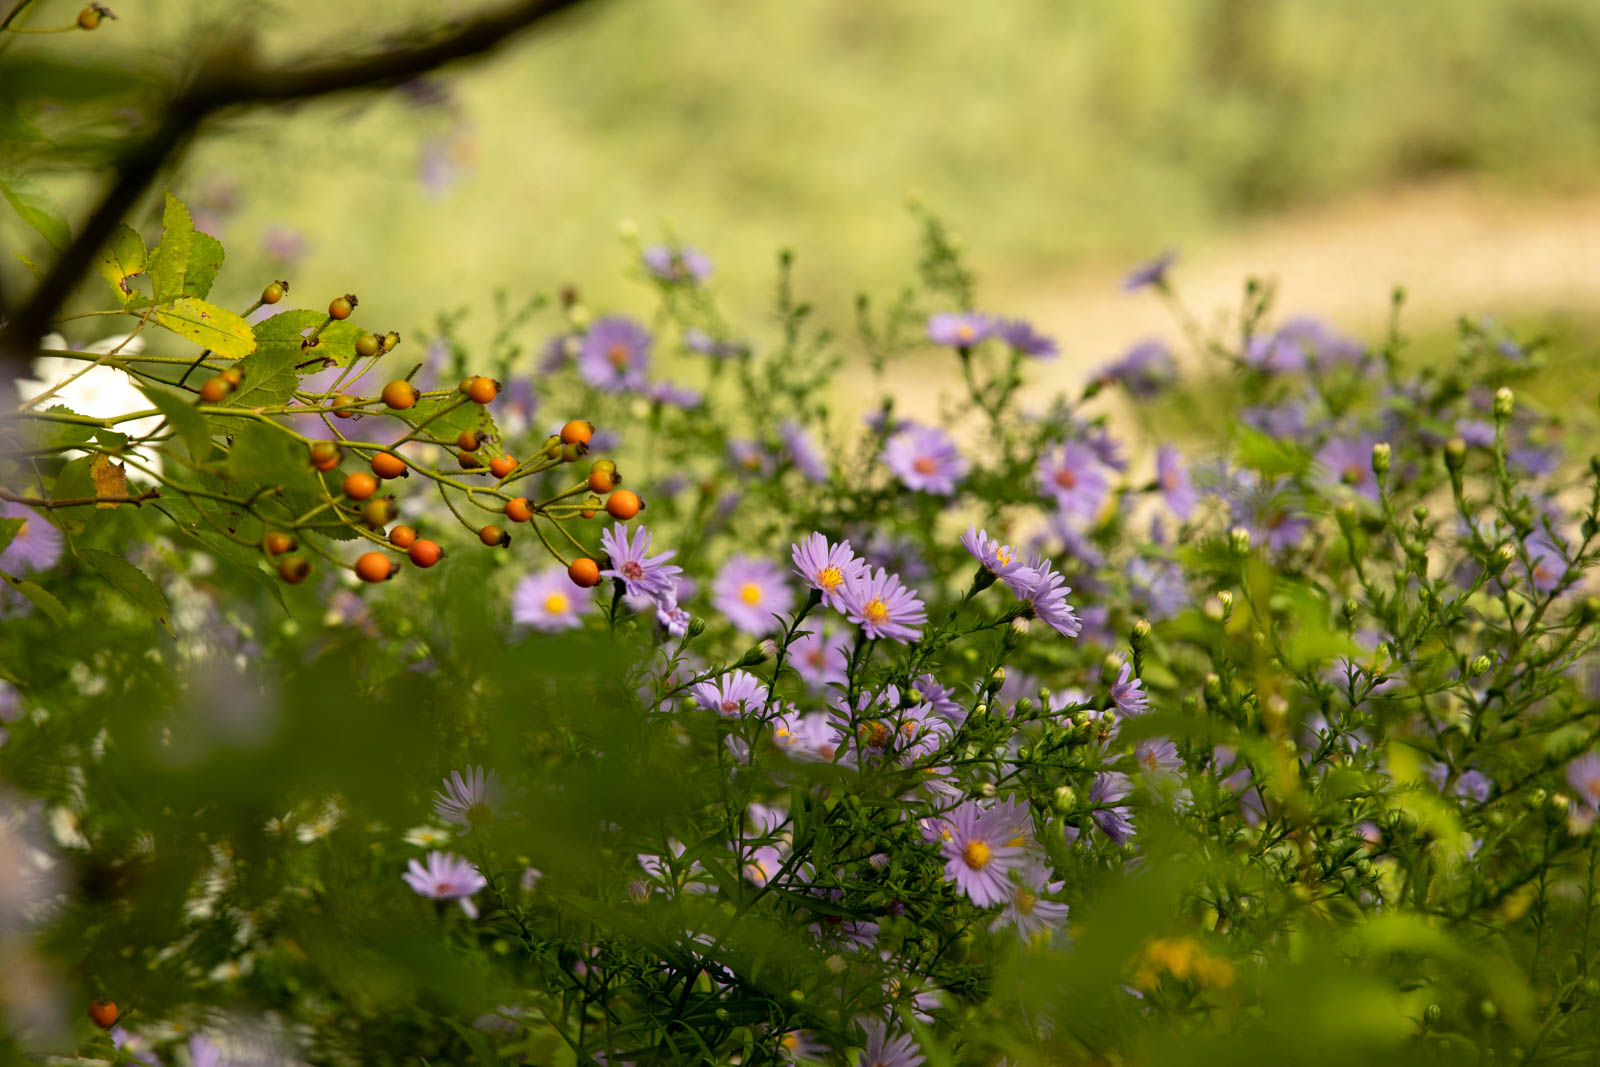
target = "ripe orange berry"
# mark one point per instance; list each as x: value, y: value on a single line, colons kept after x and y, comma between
x: 425, y: 553
x: 518, y: 510
x: 213, y: 391
x: 343, y: 406
x: 294, y: 569
x: 602, y: 480
x: 325, y: 455
x: 368, y: 345
x: 577, y: 432
x: 468, y: 461
x: 483, y: 390
x: 375, y: 567
x: 274, y: 292
x: 584, y: 572
x: 389, y: 465
x: 500, y: 466
x: 341, y: 306
x: 233, y: 376
x: 104, y: 1013
x: 586, y: 513
x: 494, y: 537
x: 89, y: 19
x: 276, y: 543
x: 400, y: 394
x: 469, y: 440
x: 624, y: 504
x: 360, y: 485
x: 402, y: 537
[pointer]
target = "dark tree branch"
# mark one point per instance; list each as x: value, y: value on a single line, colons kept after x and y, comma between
x: 231, y: 86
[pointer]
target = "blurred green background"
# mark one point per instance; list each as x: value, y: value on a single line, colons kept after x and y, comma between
x: 1453, y: 145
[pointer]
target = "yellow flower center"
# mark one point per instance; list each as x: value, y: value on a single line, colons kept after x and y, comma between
x: 22, y: 531
x: 1066, y: 479
x: 618, y: 355
x: 556, y: 603
x: 977, y: 855
x: 964, y: 332
x: 750, y: 593
x: 790, y: 1042
x: 1592, y: 787
x: 1024, y: 902
x: 873, y: 735
x: 830, y: 578
x: 479, y: 812
x: 876, y: 611
x: 924, y: 465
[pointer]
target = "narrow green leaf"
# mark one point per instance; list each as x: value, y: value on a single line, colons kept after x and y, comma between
x: 41, y: 599
x: 123, y: 257
x: 169, y: 263
x: 131, y: 582
x: 221, y: 330
x: 189, y: 423
x: 205, y: 259
x: 33, y: 267
x: 36, y: 207
x: 8, y: 531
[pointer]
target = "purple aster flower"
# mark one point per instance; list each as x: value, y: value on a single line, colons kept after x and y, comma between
x: 979, y: 853
x: 1348, y: 461
x: 640, y: 572
x: 1583, y: 775
x: 750, y: 591
x: 282, y: 245
x: 1177, y: 489
x: 557, y: 352
x: 1073, y: 477
x: 469, y: 799
x: 884, y: 1050
x: 802, y: 1045
x: 1114, y: 818
x: 959, y: 329
x: 697, y: 340
x: 1158, y: 587
x: 1144, y: 370
x: 925, y: 459
x: 1151, y: 274
x: 615, y: 354
x: 679, y: 265
x: 826, y: 567
x: 549, y: 601
x: 1000, y: 561
x: 679, y: 590
x: 1469, y: 783
x: 136, y: 1047
x: 1269, y: 514
x: 672, y: 395
x: 1047, y: 596
x: 894, y: 553
x: 1547, y: 566
x: 36, y: 546
x: 446, y: 877
x: 735, y: 693
x: 882, y: 607
x: 805, y: 737
x: 749, y: 456
x: 1027, y: 910
x: 1533, y: 460
x: 802, y: 451
x: 673, y: 619
x: 821, y: 659
x: 1106, y: 448
x: 1128, y: 694
x: 1477, y: 433
x: 1158, y: 756
x: 1025, y: 340
x: 940, y: 699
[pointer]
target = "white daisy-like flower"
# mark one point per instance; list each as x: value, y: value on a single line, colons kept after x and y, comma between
x: 428, y: 836
x: 102, y: 392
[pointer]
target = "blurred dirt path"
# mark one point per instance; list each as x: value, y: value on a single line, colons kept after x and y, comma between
x: 1457, y: 247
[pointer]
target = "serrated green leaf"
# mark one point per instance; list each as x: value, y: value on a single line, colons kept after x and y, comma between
x: 41, y: 599
x: 44, y: 434
x: 272, y: 372
x: 36, y: 207
x: 123, y: 257
x: 169, y: 263
x: 190, y: 425
x: 262, y: 454
x: 8, y: 531
x: 205, y: 259
x: 222, y: 331
x: 75, y: 482
x: 131, y: 582
x: 462, y: 415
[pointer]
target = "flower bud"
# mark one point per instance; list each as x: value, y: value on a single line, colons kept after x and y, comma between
x: 1066, y: 799
x: 1480, y: 663
x: 1239, y: 541
x: 1380, y: 458
x: 1432, y: 1014
x: 1535, y: 800
x: 997, y: 679
x: 1025, y: 706
x: 1420, y: 514
x: 1020, y: 626
x: 1140, y: 637
x: 1213, y: 688
x: 1455, y: 454
x: 697, y: 626
x: 835, y: 963
x: 1505, y: 402
x: 1024, y: 753
x: 987, y: 789
x: 1502, y: 556
x: 1351, y: 610
x: 756, y: 655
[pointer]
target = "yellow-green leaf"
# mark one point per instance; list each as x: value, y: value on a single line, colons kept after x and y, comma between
x: 123, y: 257
x: 37, y: 207
x: 221, y: 330
x: 169, y: 263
